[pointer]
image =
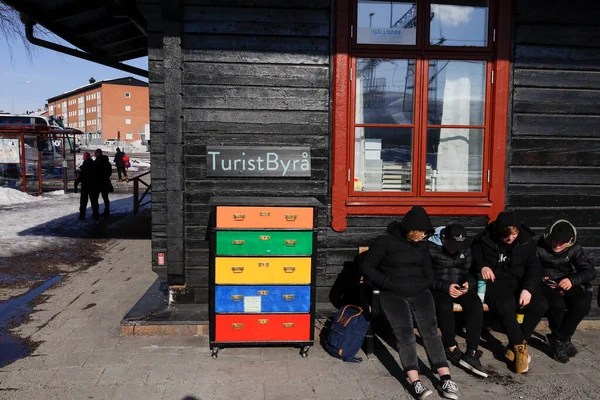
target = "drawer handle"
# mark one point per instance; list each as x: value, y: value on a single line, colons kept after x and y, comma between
x: 263, y: 321
x: 289, y: 297
x: 265, y: 237
x: 239, y: 217
x: 288, y: 324
x: 263, y: 292
x: 237, y: 297
x: 263, y: 264
x: 290, y: 243
x: 237, y: 270
x: 239, y: 242
x: 291, y: 217
x: 289, y: 270
x: 237, y: 327
x: 265, y: 214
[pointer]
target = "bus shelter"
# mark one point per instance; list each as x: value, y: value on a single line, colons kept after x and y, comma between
x: 37, y: 158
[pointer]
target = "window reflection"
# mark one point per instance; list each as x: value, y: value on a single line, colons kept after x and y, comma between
x: 383, y: 159
x: 384, y: 91
x: 456, y: 159
x: 456, y: 92
x: 459, y: 23
x: 387, y: 22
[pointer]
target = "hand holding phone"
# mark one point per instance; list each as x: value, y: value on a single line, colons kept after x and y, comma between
x: 550, y: 282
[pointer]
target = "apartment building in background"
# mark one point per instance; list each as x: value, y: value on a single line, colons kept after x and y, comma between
x: 114, y: 108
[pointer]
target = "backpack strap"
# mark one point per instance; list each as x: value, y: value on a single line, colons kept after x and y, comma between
x: 347, y: 320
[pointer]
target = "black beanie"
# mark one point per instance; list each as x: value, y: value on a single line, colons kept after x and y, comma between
x: 562, y: 232
x: 416, y: 220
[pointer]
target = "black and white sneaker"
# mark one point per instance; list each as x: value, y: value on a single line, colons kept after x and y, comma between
x: 470, y: 361
x: 448, y: 389
x: 420, y: 390
x: 455, y: 355
x: 570, y: 349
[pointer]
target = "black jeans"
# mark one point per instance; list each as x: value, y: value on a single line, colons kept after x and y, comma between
x: 83, y: 201
x: 473, y: 308
x: 566, y: 311
x: 502, y: 296
x: 399, y: 311
x: 105, y: 199
x: 121, y: 170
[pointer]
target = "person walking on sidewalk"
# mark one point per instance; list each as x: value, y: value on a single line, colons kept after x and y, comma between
x: 120, y: 164
x: 102, y: 173
x: 565, y: 268
x: 451, y: 260
x: 86, y: 179
x: 399, y: 263
x: 505, y: 255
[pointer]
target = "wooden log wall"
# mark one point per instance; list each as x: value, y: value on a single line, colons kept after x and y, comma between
x: 554, y: 164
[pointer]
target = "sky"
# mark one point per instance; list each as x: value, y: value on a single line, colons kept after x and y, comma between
x: 49, y: 73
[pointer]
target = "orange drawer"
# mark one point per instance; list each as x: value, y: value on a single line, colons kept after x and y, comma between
x: 265, y: 217
x: 262, y: 328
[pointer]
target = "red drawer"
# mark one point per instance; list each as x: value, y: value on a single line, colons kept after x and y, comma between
x: 262, y: 328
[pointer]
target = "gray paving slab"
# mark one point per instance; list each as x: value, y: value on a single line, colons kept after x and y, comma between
x: 83, y: 356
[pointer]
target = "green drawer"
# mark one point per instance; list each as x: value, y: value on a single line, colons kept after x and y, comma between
x: 276, y: 243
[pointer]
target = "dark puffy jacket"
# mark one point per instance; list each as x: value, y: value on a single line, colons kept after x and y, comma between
x: 449, y: 268
x: 524, y: 264
x: 102, y: 172
x: 86, y: 175
x: 396, y: 264
x: 571, y: 263
x: 118, y: 159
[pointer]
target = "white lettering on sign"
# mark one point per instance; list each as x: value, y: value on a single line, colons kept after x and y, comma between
x: 238, y: 161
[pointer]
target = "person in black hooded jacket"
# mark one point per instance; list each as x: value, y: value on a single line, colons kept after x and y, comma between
x: 399, y: 263
x: 565, y: 267
x: 505, y: 255
x: 451, y: 260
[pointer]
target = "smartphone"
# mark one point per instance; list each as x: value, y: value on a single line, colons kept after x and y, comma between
x: 551, y: 282
x: 462, y: 288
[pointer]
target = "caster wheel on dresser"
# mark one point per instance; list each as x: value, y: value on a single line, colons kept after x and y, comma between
x: 214, y: 353
x: 304, y: 351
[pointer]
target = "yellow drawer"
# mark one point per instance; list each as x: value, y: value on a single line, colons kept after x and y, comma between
x: 262, y: 270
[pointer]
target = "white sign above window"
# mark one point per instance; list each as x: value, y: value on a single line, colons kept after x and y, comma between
x: 396, y: 36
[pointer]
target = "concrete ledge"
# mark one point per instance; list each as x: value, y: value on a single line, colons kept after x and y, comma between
x: 164, y: 330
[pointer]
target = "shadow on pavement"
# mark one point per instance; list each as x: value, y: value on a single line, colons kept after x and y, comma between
x: 122, y: 224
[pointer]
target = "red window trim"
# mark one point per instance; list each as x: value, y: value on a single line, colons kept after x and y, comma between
x: 344, y: 205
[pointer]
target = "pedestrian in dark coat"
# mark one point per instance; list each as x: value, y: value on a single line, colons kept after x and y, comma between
x: 86, y: 180
x: 451, y: 260
x: 102, y: 173
x: 120, y: 164
x: 505, y: 255
x: 399, y: 263
x: 565, y: 268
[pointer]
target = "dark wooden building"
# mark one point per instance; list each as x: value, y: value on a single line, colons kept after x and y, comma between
x: 466, y: 107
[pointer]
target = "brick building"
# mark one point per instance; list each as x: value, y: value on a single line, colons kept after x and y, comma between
x: 104, y: 108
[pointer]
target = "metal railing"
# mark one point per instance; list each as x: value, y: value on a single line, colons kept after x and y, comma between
x: 137, y: 200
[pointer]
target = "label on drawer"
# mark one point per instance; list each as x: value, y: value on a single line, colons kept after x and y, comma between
x: 252, y: 304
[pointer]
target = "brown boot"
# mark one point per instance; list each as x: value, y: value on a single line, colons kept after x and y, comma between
x: 510, y: 354
x: 127, y: 179
x: 522, y: 358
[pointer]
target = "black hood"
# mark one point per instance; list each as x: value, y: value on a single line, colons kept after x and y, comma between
x: 414, y: 220
x: 509, y: 218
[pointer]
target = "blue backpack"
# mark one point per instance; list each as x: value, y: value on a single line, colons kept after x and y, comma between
x: 347, y: 333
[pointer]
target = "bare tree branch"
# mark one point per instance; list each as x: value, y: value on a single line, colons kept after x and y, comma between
x: 12, y: 31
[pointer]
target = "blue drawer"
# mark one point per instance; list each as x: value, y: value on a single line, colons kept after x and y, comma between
x: 262, y: 299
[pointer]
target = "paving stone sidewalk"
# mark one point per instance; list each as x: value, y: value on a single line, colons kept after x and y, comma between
x: 84, y: 356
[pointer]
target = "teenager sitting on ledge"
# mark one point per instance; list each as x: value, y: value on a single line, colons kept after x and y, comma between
x: 451, y: 260
x: 399, y: 263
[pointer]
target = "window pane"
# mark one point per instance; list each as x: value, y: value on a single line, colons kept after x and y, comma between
x: 383, y: 159
x: 387, y: 22
x: 456, y: 92
x: 455, y: 157
x: 459, y: 23
x: 384, y: 91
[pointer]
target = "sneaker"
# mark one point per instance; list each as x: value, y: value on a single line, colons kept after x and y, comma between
x: 570, y: 349
x: 81, y: 216
x: 560, y: 352
x: 448, y: 389
x: 420, y: 390
x: 470, y: 361
x: 455, y: 355
x: 559, y: 349
x: 522, y: 358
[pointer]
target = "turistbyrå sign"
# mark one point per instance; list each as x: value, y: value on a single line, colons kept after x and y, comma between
x: 243, y: 161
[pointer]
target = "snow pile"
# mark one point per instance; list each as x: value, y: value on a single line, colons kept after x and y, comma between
x: 10, y: 196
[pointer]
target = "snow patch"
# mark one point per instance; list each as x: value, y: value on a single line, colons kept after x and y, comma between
x: 10, y: 197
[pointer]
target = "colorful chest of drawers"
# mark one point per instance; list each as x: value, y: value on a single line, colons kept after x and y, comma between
x: 262, y: 287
